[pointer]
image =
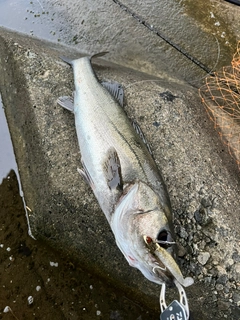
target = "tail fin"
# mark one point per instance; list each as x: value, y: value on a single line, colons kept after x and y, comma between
x: 96, y: 55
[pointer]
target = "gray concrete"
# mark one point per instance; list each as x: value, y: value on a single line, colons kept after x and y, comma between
x: 206, y: 29
x: 202, y: 179
x: 198, y: 29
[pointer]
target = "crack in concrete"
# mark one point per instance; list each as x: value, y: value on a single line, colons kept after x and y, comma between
x: 150, y: 27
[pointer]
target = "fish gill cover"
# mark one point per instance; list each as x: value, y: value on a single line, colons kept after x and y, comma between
x: 221, y: 97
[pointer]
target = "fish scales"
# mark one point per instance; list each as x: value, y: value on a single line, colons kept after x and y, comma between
x: 97, y: 112
x: 124, y: 178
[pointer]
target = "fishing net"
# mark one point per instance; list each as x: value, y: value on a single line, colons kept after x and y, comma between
x: 221, y: 97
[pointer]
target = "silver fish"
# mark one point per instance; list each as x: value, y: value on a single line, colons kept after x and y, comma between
x: 123, y: 176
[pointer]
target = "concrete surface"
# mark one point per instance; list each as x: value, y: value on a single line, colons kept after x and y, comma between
x: 201, y: 30
x: 207, y: 30
x: 202, y: 179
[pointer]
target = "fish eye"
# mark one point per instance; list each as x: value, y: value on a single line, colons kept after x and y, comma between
x: 164, y: 239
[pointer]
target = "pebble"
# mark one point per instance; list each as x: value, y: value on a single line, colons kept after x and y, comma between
x: 220, y: 271
x: 181, y: 251
x: 203, y: 258
x: 53, y: 264
x: 30, y: 300
x: 236, y: 257
x: 222, y: 279
x: 237, y: 267
x: 236, y: 297
x: 223, y: 305
x: 183, y: 233
x: 219, y: 287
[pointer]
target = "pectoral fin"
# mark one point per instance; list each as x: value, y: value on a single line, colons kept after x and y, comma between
x: 112, y: 170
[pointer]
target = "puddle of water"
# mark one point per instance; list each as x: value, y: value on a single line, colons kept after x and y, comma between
x: 30, y: 17
x: 7, y: 157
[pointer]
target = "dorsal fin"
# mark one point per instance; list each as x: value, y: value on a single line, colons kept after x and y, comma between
x: 116, y: 90
x: 99, y: 54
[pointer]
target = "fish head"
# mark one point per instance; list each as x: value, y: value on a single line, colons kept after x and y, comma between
x: 145, y: 235
x: 153, y: 232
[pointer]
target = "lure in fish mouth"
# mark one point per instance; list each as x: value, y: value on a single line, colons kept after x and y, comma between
x: 117, y: 165
x: 151, y: 249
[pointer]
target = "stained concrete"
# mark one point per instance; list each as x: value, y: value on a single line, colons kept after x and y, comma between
x: 202, y: 179
x: 207, y: 30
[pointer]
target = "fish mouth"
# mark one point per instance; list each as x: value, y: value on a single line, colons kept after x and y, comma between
x: 165, y: 262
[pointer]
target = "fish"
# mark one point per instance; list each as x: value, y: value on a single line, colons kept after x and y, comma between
x: 118, y: 166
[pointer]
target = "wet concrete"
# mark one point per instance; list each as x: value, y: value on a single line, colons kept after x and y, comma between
x: 56, y: 284
x: 201, y: 177
x: 206, y: 31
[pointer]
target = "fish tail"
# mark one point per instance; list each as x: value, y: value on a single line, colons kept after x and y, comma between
x: 96, y: 55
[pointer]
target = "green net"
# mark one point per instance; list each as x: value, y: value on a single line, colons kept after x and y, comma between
x: 221, y: 97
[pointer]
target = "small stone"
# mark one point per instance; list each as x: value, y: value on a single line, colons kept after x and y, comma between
x: 183, y: 233
x: 203, y: 258
x: 181, y: 251
x: 219, y: 286
x: 222, y: 279
x: 230, y: 262
x: 220, y: 271
x: 6, y: 309
x: 198, y: 216
x: 202, y: 217
x: 53, y: 264
x: 236, y: 257
x: 30, y: 300
x: 202, y: 245
x: 236, y: 313
x: 214, y: 298
x: 223, y: 305
x: 236, y: 297
x: 237, y: 267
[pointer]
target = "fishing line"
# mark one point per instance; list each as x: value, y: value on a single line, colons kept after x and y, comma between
x: 163, y: 37
x: 192, y: 81
x: 211, y: 73
x: 165, y: 242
